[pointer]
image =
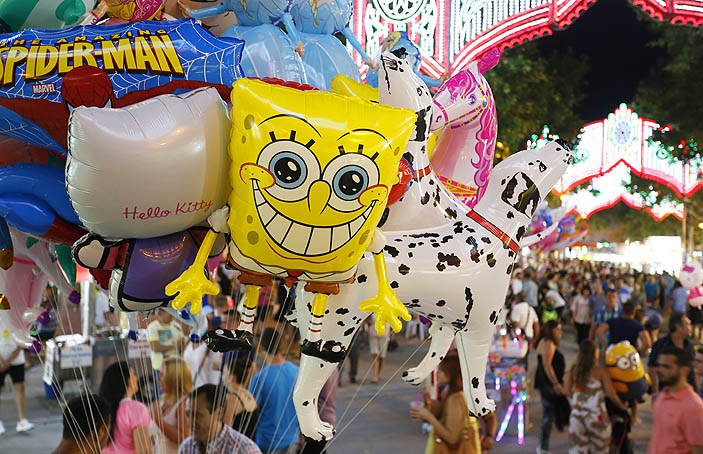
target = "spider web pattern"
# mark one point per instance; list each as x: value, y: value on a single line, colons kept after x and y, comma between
x: 18, y: 127
x: 203, y: 56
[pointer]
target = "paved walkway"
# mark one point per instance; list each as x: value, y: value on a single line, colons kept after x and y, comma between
x: 371, y: 418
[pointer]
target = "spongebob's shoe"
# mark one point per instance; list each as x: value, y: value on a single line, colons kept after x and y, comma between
x: 330, y: 351
x: 224, y: 340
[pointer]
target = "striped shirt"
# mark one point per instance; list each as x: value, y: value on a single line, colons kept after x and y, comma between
x: 228, y: 442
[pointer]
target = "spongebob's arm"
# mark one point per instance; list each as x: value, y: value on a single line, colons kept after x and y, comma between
x: 386, y: 305
x: 192, y: 284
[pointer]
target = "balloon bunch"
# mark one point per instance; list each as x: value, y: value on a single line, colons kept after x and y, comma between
x: 691, y: 277
x: 557, y: 230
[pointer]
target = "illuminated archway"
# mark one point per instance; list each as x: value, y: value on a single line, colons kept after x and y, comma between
x: 451, y: 33
x: 608, y: 152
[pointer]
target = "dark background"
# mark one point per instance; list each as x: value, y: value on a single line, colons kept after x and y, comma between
x: 614, y: 37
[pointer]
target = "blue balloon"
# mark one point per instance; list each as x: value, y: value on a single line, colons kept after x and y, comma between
x: 397, y: 40
x: 32, y: 195
x: 5, y: 238
x: 325, y: 56
x: 268, y: 51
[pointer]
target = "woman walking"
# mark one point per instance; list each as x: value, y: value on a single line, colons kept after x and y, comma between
x: 549, y: 378
x: 587, y: 385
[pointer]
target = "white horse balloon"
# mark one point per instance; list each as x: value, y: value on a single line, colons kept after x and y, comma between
x: 448, y: 263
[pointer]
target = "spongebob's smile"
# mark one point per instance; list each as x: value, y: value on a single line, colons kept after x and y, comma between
x: 287, y: 233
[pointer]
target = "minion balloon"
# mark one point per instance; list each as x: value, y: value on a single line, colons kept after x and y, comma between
x: 626, y: 371
x: 310, y: 177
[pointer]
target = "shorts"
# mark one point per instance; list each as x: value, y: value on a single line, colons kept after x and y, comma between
x: 16, y: 374
x: 379, y: 345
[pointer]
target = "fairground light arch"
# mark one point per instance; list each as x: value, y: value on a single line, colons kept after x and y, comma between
x: 608, y: 152
x: 451, y: 33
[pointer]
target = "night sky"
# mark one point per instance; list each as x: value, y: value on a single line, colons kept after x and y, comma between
x: 615, y: 40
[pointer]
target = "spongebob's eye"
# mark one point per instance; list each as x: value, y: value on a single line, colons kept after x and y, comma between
x: 293, y: 166
x: 350, y: 181
x: 349, y: 175
x: 289, y: 169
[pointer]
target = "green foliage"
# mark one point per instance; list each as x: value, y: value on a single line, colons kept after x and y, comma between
x: 621, y: 223
x: 673, y: 91
x: 532, y: 91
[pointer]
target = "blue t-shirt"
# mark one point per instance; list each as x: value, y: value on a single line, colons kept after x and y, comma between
x: 273, y: 389
x: 624, y: 329
x: 651, y: 289
x: 680, y: 296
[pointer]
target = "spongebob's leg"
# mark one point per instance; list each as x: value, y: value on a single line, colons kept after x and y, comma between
x: 222, y: 340
x: 312, y: 345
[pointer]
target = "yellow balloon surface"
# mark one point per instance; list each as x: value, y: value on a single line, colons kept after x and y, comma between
x: 344, y: 85
x: 624, y: 365
x: 311, y: 172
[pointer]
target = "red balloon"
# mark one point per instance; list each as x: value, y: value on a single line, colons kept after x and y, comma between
x: 405, y: 174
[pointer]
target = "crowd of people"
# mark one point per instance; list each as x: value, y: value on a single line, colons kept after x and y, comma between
x: 199, y: 402
x: 607, y: 305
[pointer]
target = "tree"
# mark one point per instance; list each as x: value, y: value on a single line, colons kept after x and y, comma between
x: 672, y: 95
x: 672, y: 92
x: 532, y: 91
x: 621, y: 223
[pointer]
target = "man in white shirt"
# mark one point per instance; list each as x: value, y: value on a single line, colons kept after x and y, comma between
x: 525, y: 318
x: 165, y: 338
x: 101, y: 306
x: 516, y: 283
x: 12, y: 364
x: 531, y: 289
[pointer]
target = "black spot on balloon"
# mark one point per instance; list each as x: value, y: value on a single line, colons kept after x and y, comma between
x: 340, y: 323
x: 491, y: 260
x: 403, y: 269
x: 393, y: 252
x: 425, y: 198
x: 474, y: 382
x: 361, y: 279
x: 342, y: 311
x: 441, y: 303
x: 510, y: 269
x: 520, y: 233
x: 394, y: 284
x: 349, y: 331
x: 306, y: 403
x: 493, y: 317
x: 510, y: 215
x: 486, y: 240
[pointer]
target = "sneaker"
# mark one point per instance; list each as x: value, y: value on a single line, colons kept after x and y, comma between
x: 24, y: 426
x: 543, y: 451
x: 2, y: 428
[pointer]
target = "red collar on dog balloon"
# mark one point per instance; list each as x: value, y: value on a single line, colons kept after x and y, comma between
x: 488, y: 225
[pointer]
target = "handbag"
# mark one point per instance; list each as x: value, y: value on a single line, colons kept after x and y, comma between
x: 469, y: 442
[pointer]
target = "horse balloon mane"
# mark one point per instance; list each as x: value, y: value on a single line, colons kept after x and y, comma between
x: 448, y: 263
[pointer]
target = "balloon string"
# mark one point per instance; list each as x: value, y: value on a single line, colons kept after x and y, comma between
x: 380, y: 389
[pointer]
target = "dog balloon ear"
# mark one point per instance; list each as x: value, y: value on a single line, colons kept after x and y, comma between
x: 489, y: 60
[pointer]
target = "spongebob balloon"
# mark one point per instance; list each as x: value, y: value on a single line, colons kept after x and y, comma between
x: 626, y: 371
x: 310, y: 176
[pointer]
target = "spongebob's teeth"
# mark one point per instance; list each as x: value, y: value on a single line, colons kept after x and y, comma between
x: 319, y: 241
x: 303, y: 239
x: 258, y: 197
x: 278, y: 227
x: 356, y: 224
x: 297, y: 239
x: 340, y: 235
x: 266, y: 212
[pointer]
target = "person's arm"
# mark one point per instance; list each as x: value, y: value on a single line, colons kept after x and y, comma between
x: 603, y: 328
x: 490, y: 422
x: 13, y: 356
x: 451, y: 432
x: 535, y: 328
x: 592, y: 331
x: 608, y: 388
x: 569, y: 383
x: 644, y: 341
x: 652, y: 368
x: 547, y: 357
x: 179, y: 432
x: 142, y: 440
